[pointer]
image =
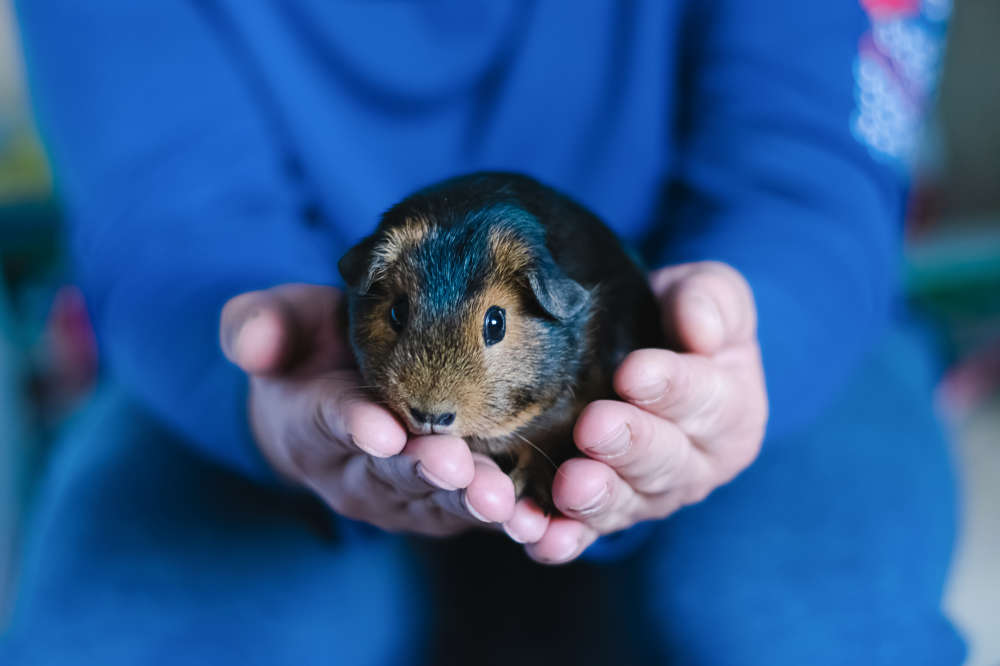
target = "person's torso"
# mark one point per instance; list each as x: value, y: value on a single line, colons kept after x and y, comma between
x: 373, y: 100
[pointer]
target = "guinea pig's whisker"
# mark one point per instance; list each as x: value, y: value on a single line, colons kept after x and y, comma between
x: 364, y: 394
x: 369, y: 397
x: 359, y: 388
x: 535, y: 447
x: 376, y: 401
x: 336, y: 374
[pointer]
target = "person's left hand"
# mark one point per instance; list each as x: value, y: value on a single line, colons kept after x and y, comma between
x: 690, y: 421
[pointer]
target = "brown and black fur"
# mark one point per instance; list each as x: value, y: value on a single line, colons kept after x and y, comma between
x: 576, y: 304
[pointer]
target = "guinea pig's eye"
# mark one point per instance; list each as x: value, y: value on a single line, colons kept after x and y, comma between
x: 398, y: 313
x: 494, y: 325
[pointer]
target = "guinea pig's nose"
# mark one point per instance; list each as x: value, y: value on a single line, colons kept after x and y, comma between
x: 419, y: 416
x: 444, y: 419
x: 434, y: 419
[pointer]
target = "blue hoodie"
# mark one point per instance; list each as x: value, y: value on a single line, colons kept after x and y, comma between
x: 206, y: 148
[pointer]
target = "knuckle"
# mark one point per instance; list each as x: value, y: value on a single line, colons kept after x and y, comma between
x: 706, y: 406
x: 665, y: 470
x: 660, y: 507
x: 680, y: 385
x: 697, y: 493
x: 620, y: 514
x: 350, y: 505
x: 430, y: 519
x: 326, y: 418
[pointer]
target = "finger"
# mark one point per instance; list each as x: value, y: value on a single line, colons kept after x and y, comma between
x: 253, y: 333
x: 353, y: 491
x: 528, y: 522
x: 688, y: 389
x: 592, y: 493
x: 562, y: 542
x: 490, y: 496
x: 344, y: 414
x: 649, y: 453
x: 323, y: 420
x: 435, y: 462
x: 706, y: 306
x: 350, y: 489
x: 264, y: 331
x: 430, y: 518
x: 489, y: 499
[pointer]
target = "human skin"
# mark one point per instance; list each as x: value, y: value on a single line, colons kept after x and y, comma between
x: 688, y: 422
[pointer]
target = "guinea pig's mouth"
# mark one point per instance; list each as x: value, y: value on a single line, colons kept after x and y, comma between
x: 428, y: 429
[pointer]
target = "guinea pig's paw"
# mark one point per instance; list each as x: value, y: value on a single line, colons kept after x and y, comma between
x: 520, y: 477
x: 530, y: 482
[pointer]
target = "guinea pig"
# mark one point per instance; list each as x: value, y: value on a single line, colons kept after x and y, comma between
x: 494, y: 308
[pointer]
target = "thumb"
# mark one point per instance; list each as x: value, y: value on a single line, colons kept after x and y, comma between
x: 266, y: 331
x: 706, y: 306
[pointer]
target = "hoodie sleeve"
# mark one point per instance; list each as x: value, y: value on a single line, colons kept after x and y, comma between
x: 799, y: 122
x: 177, y: 196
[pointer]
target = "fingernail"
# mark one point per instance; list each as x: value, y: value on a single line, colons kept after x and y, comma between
x: 367, y: 449
x: 238, y: 338
x: 513, y: 535
x: 569, y: 551
x: 615, y: 444
x: 649, y: 393
x: 594, y: 504
x: 475, y: 514
x: 707, y: 312
x: 432, y: 479
x: 256, y: 342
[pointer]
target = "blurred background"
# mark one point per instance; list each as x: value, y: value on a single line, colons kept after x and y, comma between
x: 48, y: 360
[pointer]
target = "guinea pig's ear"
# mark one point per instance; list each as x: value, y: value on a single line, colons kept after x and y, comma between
x: 558, y: 295
x: 356, y: 265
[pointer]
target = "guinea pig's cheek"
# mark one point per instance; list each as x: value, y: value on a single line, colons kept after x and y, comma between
x: 478, y: 418
x: 492, y: 410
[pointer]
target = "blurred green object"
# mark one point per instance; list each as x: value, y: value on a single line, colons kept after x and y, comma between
x: 949, y: 261
x: 955, y: 277
x: 23, y: 170
x: 15, y: 440
x: 29, y: 235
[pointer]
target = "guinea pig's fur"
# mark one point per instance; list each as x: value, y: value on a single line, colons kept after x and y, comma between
x: 420, y: 287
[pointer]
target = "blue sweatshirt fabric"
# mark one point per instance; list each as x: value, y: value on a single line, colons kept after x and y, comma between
x: 207, y: 148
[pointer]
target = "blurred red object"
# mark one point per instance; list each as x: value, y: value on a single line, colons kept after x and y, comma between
x: 971, y: 381
x: 923, y: 211
x: 67, y: 357
x: 887, y: 8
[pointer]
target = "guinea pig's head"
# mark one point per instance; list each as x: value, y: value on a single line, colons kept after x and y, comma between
x: 461, y: 320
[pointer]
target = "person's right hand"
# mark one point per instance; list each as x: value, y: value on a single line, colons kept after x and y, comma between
x: 318, y: 428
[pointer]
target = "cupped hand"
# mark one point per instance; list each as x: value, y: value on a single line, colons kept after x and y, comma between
x: 689, y: 421
x: 319, y: 428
